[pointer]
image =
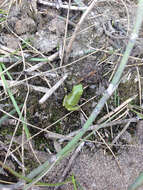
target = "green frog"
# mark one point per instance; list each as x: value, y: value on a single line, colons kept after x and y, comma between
x: 71, y: 100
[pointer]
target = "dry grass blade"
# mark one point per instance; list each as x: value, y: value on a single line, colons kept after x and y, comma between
x: 77, y: 28
x: 52, y: 90
x: 124, y: 104
x: 62, y: 6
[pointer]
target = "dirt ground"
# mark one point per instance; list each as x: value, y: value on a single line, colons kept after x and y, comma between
x: 109, y: 160
x: 100, y: 171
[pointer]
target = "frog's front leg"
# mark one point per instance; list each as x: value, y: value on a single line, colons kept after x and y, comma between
x: 73, y: 108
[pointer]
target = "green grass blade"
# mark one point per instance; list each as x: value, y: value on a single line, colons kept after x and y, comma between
x: 6, y: 116
x: 14, y: 102
x: 138, y: 182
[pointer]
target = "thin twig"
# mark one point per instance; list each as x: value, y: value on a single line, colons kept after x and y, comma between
x: 76, y: 152
x: 11, y: 51
x: 12, y: 155
x: 118, y: 136
x: 50, y: 134
x: 50, y: 4
x: 110, y: 150
x: 52, y: 90
x: 32, y: 87
x: 24, y: 106
x: 117, y: 109
x: 65, y: 35
x: 140, y: 86
x: 37, y: 66
x: 16, y: 186
x: 78, y: 27
x: 97, y: 127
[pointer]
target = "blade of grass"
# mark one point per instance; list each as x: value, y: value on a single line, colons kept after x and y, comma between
x: 14, y: 102
x: 8, y: 74
x: 138, y: 182
x: 6, y: 116
x: 74, y: 182
x: 29, y: 180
